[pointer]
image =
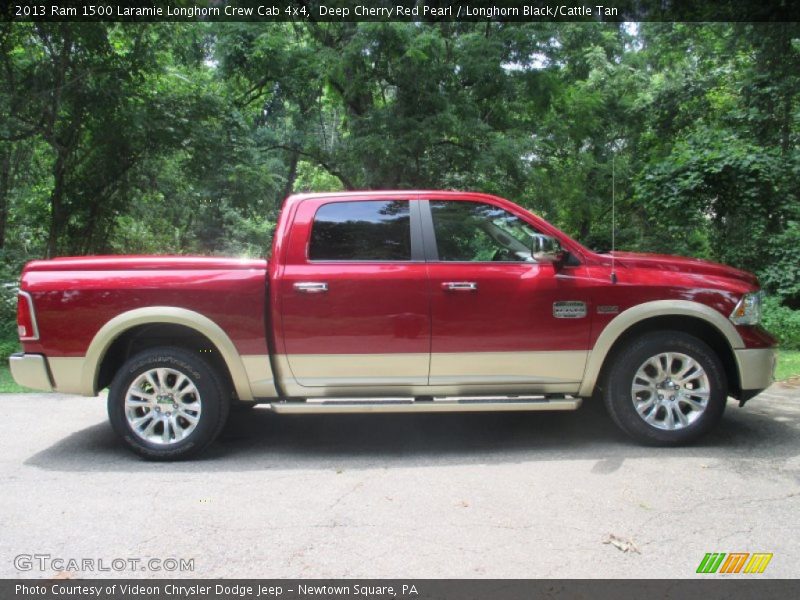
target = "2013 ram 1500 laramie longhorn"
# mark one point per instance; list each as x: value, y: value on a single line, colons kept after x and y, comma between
x: 395, y: 302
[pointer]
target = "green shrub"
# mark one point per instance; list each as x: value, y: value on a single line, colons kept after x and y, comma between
x: 782, y: 322
x: 782, y: 273
x: 8, y: 320
x: 7, y: 348
x: 8, y: 313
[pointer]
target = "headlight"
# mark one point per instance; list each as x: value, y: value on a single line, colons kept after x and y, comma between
x: 748, y: 310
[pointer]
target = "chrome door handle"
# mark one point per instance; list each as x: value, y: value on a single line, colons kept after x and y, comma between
x: 311, y: 287
x: 460, y: 286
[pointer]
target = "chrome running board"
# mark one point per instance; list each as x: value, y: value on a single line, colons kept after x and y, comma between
x: 407, y: 405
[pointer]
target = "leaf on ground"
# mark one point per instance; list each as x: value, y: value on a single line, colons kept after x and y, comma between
x: 62, y: 575
x: 621, y: 543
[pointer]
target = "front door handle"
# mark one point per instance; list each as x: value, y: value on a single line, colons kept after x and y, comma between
x: 311, y: 287
x: 460, y: 286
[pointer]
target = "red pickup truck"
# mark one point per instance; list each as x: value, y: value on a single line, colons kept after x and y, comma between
x: 422, y: 301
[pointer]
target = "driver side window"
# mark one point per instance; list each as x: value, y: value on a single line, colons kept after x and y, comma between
x: 479, y: 232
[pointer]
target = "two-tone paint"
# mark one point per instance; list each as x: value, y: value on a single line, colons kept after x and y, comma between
x: 394, y: 328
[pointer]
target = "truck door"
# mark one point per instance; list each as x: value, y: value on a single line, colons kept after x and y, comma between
x: 354, y: 301
x: 499, y: 318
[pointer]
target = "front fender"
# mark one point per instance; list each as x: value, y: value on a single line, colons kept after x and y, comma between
x: 641, y: 312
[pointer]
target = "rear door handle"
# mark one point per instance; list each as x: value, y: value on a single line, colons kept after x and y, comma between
x: 311, y: 287
x: 460, y: 286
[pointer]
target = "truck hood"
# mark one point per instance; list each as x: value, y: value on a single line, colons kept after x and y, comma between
x: 144, y: 263
x: 681, y: 264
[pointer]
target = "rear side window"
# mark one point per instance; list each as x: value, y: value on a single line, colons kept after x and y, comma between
x: 369, y: 230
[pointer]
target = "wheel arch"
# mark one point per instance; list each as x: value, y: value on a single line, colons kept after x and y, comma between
x: 693, y: 318
x: 188, y: 327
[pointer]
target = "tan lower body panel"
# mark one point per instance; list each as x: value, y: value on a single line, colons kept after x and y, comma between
x: 459, y: 368
x: 259, y: 375
x: 456, y: 374
x: 387, y: 375
x: 325, y: 370
x: 67, y: 375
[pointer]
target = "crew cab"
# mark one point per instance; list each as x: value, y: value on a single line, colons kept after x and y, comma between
x: 395, y: 301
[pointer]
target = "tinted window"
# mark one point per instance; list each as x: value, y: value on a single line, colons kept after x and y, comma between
x: 372, y: 230
x: 474, y: 231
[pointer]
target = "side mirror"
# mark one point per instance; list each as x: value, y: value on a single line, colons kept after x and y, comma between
x: 546, y: 249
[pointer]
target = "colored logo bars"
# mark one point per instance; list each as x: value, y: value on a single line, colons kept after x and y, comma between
x: 736, y: 562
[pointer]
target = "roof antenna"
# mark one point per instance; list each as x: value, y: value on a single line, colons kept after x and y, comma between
x: 613, y: 215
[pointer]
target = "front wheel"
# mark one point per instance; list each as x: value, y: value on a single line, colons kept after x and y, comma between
x: 167, y: 404
x: 666, y: 388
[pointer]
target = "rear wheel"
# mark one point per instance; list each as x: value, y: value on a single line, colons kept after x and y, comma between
x: 666, y: 388
x: 167, y: 404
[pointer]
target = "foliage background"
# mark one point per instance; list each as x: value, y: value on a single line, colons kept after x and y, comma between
x: 185, y: 138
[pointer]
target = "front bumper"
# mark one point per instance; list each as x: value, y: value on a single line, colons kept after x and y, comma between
x: 756, y: 370
x: 30, y: 370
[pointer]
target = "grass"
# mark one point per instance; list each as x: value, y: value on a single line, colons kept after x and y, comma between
x: 7, y: 383
x: 788, y: 366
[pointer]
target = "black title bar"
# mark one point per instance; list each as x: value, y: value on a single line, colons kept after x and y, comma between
x: 727, y: 588
x: 399, y: 10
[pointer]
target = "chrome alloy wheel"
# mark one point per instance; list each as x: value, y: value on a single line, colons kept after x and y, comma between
x: 670, y: 390
x: 162, y: 406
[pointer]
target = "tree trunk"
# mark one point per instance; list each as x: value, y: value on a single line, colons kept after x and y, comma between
x: 5, y: 186
x: 57, y: 216
x: 291, y: 177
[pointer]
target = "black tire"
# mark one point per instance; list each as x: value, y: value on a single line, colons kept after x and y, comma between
x: 619, y: 396
x: 209, y: 385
